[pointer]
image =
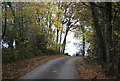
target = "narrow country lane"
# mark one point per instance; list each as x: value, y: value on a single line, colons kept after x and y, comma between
x: 59, y: 68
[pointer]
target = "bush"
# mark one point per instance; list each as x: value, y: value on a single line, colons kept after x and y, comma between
x: 9, y: 55
x: 39, y: 52
x: 51, y: 52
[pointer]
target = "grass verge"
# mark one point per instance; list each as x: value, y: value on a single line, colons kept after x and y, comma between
x: 90, y: 70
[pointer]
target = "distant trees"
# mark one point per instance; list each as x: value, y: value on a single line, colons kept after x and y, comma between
x: 69, y: 20
x: 83, y: 29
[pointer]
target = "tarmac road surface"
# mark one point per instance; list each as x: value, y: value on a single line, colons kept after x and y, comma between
x: 59, y: 68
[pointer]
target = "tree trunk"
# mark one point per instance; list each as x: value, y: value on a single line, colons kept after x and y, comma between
x: 5, y: 24
x: 64, y: 41
x: 100, y: 40
x: 60, y: 40
x: 83, y: 41
x: 57, y: 37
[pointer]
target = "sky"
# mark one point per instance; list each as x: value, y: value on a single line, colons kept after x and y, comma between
x: 70, y: 47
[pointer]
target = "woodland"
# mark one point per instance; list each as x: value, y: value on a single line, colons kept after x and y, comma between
x: 38, y: 28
